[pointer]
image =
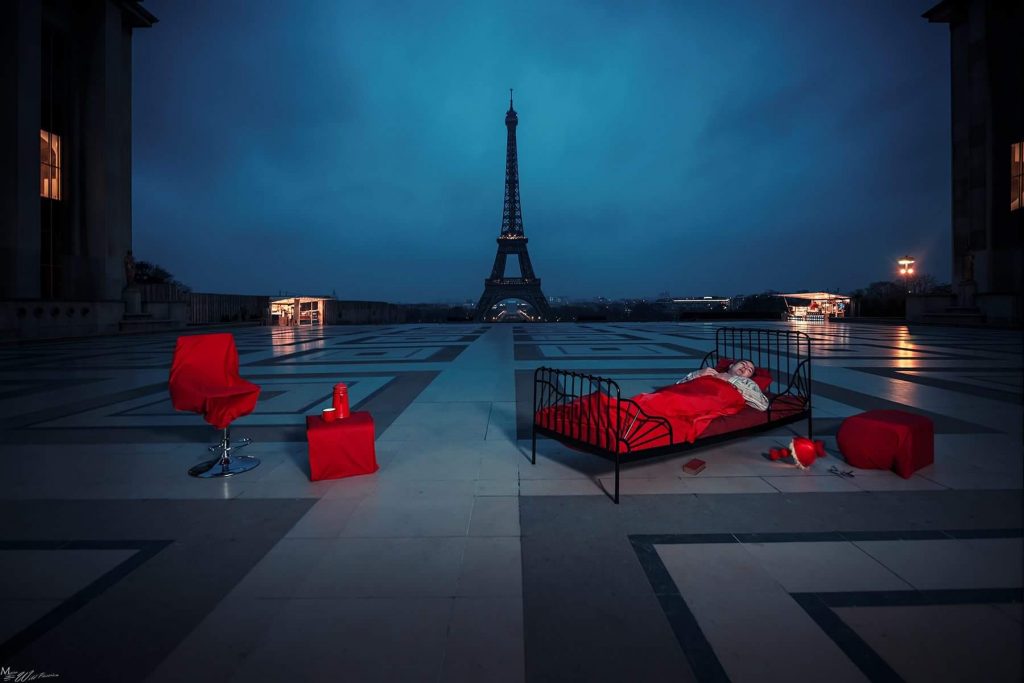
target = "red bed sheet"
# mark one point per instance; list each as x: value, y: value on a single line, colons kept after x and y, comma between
x: 782, y: 407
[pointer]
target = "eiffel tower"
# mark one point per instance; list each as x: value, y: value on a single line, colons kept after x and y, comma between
x: 512, y: 242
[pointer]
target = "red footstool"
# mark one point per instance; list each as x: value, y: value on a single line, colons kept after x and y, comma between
x: 888, y: 439
x: 343, y: 448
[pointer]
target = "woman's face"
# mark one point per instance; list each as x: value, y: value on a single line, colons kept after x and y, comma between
x: 742, y: 368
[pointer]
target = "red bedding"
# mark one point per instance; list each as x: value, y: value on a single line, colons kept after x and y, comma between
x: 689, y: 409
x: 782, y: 407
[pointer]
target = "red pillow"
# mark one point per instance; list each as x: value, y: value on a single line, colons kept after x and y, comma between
x: 762, y: 377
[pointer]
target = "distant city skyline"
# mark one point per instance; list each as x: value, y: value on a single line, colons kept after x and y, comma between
x: 686, y: 148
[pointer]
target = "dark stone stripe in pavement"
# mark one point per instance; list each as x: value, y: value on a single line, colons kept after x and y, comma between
x: 385, y: 404
x: 928, y: 379
x: 943, y: 423
x: 81, y: 406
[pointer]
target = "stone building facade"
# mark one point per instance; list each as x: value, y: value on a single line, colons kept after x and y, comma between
x: 987, y: 116
x: 66, y: 160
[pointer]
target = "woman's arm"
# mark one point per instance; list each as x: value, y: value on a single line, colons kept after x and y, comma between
x: 699, y: 373
x: 752, y: 393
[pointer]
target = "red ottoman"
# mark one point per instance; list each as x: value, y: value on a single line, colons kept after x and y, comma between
x: 888, y: 439
x: 342, y: 448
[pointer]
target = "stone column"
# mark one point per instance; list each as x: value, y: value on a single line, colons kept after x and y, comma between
x: 20, y: 74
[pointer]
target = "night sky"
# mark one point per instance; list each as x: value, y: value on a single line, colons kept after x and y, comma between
x: 690, y: 147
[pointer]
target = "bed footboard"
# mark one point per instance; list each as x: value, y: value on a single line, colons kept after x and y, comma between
x: 588, y: 412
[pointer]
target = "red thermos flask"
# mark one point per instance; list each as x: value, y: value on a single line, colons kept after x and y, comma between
x: 341, y: 400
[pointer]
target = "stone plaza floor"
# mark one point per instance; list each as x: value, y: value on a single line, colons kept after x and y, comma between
x: 461, y: 561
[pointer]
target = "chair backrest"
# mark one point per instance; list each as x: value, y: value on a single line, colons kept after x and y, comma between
x: 211, y: 359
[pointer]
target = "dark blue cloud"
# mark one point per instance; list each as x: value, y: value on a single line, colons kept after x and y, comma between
x: 691, y: 147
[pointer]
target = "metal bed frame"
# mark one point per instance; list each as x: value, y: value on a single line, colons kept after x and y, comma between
x: 785, y: 354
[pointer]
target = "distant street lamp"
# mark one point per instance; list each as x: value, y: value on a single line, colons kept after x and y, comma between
x: 906, y: 270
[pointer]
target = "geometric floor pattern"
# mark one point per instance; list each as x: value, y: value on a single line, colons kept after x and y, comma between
x: 460, y: 561
x: 838, y: 600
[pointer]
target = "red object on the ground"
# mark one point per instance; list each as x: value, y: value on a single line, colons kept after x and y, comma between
x: 804, y: 451
x: 888, y: 439
x: 694, y: 466
x: 204, y: 379
x: 343, y: 448
x: 340, y: 402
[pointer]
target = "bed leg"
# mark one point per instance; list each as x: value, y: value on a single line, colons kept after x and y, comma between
x: 616, y: 478
x: 533, y: 457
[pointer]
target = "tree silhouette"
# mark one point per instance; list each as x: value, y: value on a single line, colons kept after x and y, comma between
x: 147, y: 273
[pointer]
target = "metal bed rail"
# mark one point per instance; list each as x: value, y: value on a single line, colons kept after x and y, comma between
x: 785, y: 354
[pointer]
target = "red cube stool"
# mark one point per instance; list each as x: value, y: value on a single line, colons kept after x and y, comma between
x: 888, y: 439
x: 343, y: 448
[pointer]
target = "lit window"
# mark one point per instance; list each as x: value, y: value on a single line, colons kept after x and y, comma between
x: 1016, y: 175
x: 49, y: 165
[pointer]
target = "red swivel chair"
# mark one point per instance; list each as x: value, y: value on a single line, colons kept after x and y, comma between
x: 205, y: 380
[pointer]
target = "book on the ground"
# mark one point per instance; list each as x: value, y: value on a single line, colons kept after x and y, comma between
x: 695, y: 466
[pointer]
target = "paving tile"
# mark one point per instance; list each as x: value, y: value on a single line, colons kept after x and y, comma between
x: 962, y: 642
x: 326, y: 519
x: 415, y: 510
x: 314, y: 639
x: 954, y: 563
x: 485, y: 641
x: 19, y: 613
x: 890, y: 481
x: 823, y: 567
x: 501, y: 424
x: 223, y: 642
x: 283, y: 571
x: 386, y: 567
x: 559, y: 487
x: 496, y: 487
x: 816, y: 483
x: 495, y: 516
x: 54, y: 574
x: 450, y: 421
x: 491, y: 567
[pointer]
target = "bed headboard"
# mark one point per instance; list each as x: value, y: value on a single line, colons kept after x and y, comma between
x: 786, y: 354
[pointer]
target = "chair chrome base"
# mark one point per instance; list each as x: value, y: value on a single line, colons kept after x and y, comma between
x: 227, y: 464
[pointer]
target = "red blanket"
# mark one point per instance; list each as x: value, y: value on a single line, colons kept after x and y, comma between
x: 687, y: 408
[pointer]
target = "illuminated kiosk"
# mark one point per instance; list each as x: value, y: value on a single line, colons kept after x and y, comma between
x: 300, y: 311
x: 816, y: 305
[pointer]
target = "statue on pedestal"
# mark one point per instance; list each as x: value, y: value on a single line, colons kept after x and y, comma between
x: 129, y: 269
